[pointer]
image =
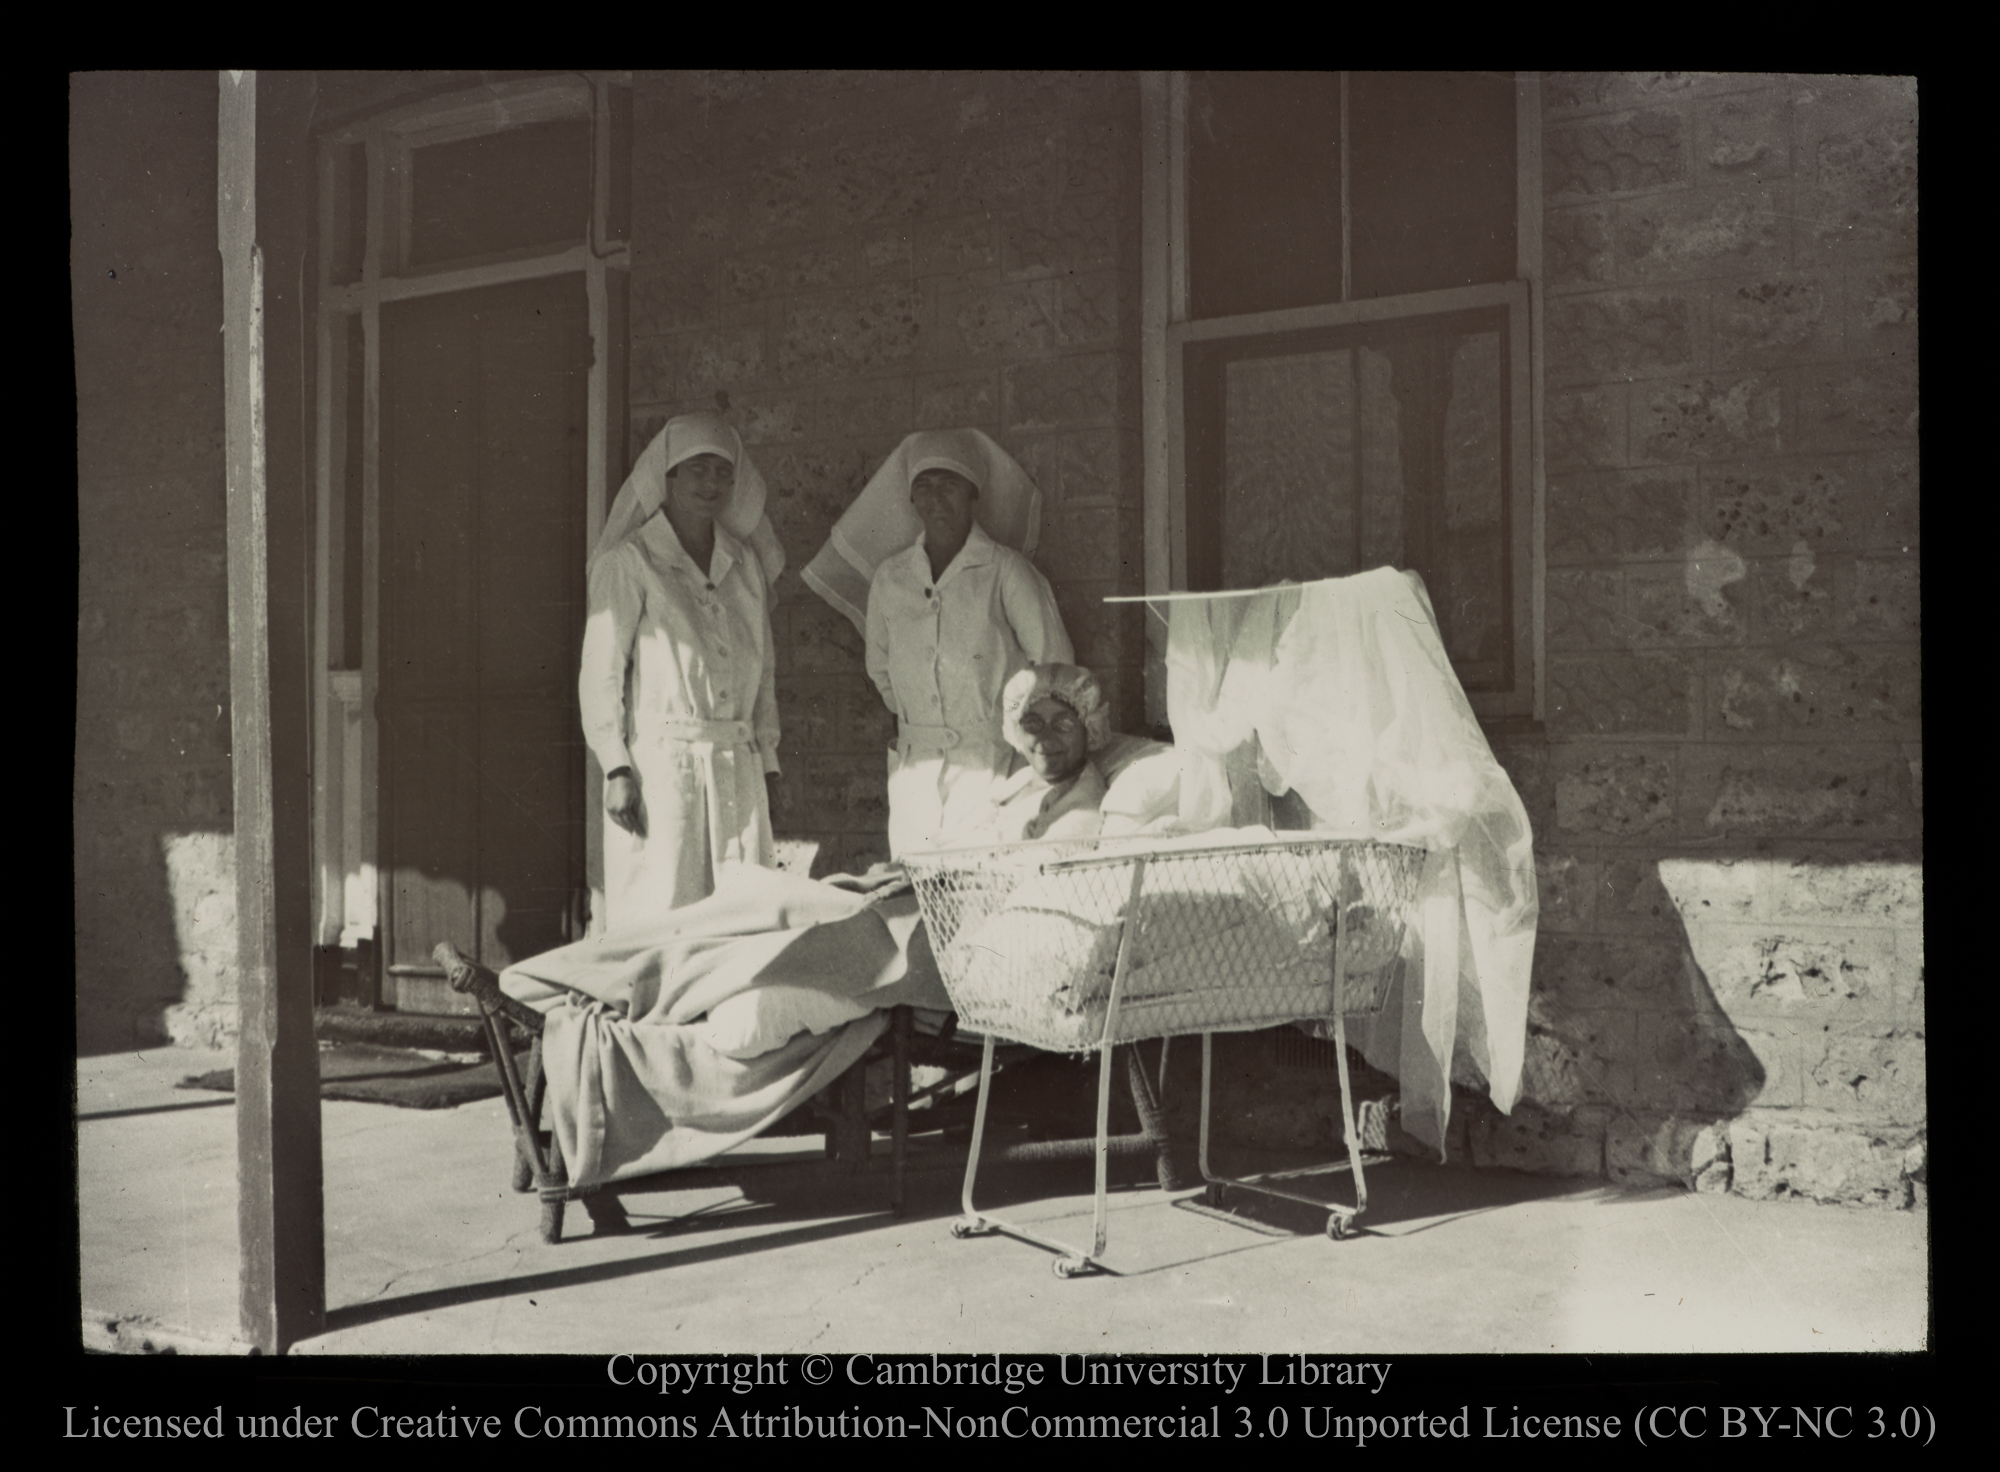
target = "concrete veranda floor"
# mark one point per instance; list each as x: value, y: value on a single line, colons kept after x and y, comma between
x: 428, y: 1251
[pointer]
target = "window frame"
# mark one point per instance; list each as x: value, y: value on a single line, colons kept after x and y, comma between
x: 1167, y: 330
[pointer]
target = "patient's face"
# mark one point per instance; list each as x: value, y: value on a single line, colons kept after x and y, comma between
x: 1056, y: 739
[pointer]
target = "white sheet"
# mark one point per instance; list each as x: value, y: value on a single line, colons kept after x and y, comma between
x: 1341, y: 692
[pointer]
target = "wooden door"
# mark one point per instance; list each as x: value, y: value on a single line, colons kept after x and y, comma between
x: 483, y: 434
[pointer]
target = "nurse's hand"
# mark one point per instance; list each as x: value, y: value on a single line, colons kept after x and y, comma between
x: 621, y: 802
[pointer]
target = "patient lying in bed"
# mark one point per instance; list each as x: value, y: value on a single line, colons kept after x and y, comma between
x: 1055, y: 718
x: 670, y: 1042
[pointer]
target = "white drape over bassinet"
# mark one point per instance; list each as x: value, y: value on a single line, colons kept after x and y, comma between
x: 1341, y: 692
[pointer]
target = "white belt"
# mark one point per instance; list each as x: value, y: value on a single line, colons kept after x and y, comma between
x: 722, y: 733
x: 930, y: 738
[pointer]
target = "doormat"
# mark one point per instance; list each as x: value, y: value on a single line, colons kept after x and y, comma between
x: 368, y: 1074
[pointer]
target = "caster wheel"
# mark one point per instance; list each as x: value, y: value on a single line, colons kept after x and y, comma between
x: 1217, y: 1193
x: 1339, y: 1228
x: 966, y: 1227
x: 1067, y: 1267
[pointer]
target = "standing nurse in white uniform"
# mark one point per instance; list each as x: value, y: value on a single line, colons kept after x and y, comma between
x: 677, y: 688
x: 952, y: 611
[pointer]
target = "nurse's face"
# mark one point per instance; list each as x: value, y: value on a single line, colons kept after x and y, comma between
x: 1056, y: 739
x: 699, y: 487
x: 943, y: 502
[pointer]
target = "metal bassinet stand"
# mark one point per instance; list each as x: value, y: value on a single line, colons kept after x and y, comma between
x: 974, y: 1223
x: 1340, y: 1219
x: 1231, y: 939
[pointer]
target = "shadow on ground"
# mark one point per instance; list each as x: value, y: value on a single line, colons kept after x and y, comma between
x: 796, y: 1201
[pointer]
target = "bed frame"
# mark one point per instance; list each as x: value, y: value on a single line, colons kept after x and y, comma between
x: 847, y: 1123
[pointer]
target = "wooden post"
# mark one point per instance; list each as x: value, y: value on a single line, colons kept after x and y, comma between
x: 264, y: 169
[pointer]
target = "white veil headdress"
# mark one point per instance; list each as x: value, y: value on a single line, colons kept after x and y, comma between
x: 881, y: 522
x: 684, y: 437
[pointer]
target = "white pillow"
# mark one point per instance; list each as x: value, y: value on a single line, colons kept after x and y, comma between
x: 1146, y: 788
x: 1121, y: 751
x: 750, y: 1024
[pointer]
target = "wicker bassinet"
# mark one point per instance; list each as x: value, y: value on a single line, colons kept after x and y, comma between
x: 1226, y: 937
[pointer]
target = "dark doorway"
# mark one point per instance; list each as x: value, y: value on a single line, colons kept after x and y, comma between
x: 483, y: 444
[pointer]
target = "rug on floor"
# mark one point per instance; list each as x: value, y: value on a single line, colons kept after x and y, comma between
x: 370, y: 1074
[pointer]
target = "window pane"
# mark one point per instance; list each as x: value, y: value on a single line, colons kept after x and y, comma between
x: 618, y: 204
x: 1468, y: 571
x: 347, y: 237
x: 1320, y: 454
x: 1289, y: 475
x: 1302, y: 433
x: 502, y: 191
x: 1263, y: 169
x: 1431, y: 188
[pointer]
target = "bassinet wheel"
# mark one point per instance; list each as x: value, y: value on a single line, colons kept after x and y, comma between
x: 1217, y: 1193
x: 1069, y: 1267
x: 971, y: 1226
x: 1339, y: 1227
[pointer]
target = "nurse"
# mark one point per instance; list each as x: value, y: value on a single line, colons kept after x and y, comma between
x: 953, y: 609
x: 677, y: 686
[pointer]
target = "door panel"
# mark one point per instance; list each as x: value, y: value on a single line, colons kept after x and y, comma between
x: 483, y: 483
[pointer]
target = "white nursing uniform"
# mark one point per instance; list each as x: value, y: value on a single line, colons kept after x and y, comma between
x: 678, y: 684
x: 940, y: 650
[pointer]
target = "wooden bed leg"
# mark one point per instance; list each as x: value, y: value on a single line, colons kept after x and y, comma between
x: 531, y: 1142
x: 555, y: 1193
x: 853, y: 1120
x: 520, y: 1091
x: 607, y: 1213
x: 899, y: 1136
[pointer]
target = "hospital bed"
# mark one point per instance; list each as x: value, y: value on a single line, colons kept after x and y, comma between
x: 1141, y: 779
x: 847, y: 1123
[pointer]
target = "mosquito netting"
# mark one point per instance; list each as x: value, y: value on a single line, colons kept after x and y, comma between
x: 1340, y: 694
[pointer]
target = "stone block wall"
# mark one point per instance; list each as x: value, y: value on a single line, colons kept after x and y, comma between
x: 1728, y: 796
x: 844, y: 258
x: 153, y: 858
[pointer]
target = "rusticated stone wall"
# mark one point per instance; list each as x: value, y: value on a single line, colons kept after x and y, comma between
x: 847, y: 257
x: 1728, y: 800
x: 155, y: 882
